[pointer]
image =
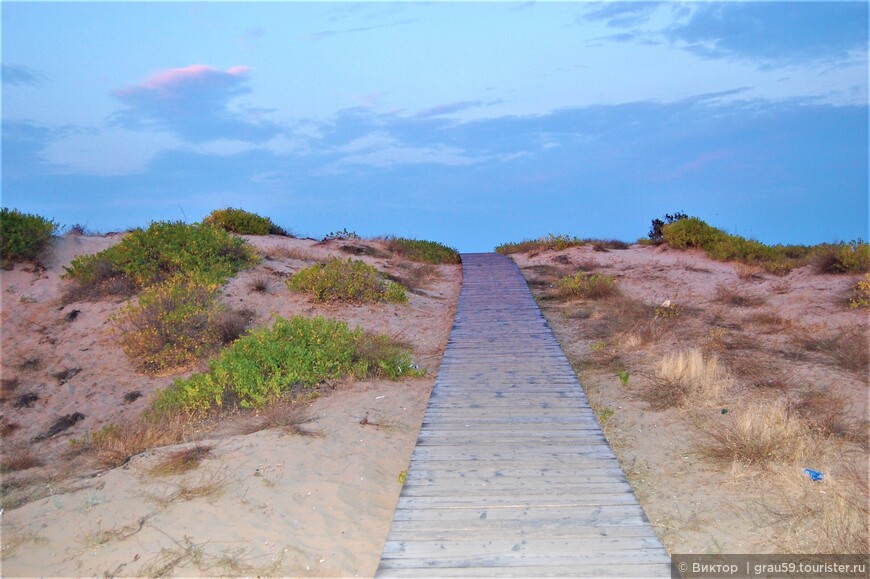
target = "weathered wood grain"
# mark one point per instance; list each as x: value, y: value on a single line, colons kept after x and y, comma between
x: 511, y: 475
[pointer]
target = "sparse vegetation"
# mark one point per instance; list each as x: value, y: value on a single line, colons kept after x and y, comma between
x: 16, y: 460
x: 261, y: 284
x: 423, y: 251
x: 293, y: 354
x: 23, y: 236
x: 346, y: 280
x: 243, y: 222
x: 166, y: 250
x: 852, y: 257
x: 115, y: 444
x: 548, y: 242
x: 343, y: 234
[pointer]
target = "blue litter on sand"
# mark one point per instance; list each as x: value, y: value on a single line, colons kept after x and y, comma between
x: 814, y: 474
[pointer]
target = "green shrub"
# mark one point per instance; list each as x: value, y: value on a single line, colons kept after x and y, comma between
x: 852, y: 257
x: 691, y: 232
x: 23, y: 235
x: 861, y: 293
x: 655, y: 230
x: 296, y: 353
x: 423, y: 251
x: 166, y: 250
x: 242, y: 222
x: 173, y: 325
x: 587, y: 285
x: 550, y: 241
x: 346, y: 280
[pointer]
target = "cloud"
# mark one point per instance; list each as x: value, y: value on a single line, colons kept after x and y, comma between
x: 784, y: 31
x: 109, y: 152
x: 621, y: 14
x: 448, y: 108
x: 16, y: 75
x: 249, y: 39
x: 193, y: 102
x: 317, y: 36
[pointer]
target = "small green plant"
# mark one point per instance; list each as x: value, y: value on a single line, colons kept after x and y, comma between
x: 861, y: 293
x: 343, y: 234
x: 172, y: 325
x: 550, y: 241
x: 624, y: 376
x: 422, y: 251
x: 403, y: 476
x: 23, y: 235
x: 605, y: 415
x: 597, y: 346
x: 165, y: 250
x: 667, y: 309
x: 346, y: 280
x: 242, y: 222
x: 293, y: 354
x: 587, y: 285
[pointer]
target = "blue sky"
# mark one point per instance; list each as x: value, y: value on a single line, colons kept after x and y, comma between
x: 468, y: 123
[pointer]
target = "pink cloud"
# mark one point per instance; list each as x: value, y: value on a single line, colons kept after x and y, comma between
x: 178, y: 81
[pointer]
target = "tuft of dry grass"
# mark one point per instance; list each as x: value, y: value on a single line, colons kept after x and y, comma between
x: 284, y: 415
x: 18, y: 460
x: 758, y: 433
x: 848, y: 350
x: 684, y: 378
x: 415, y: 277
x: 115, y: 444
x: 587, y: 285
x: 181, y: 461
x: 261, y: 284
x: 749, y: 272
x: 771, y: 322
x: 733, y: 296
x: 209, y: 485
x: 828, y: 414
x: 289, y: 253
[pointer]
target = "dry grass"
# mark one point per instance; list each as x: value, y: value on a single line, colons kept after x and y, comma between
x: 284, y: 415
x: 101, y: 536
x: 116, y: 444
x: 289, y: 253
x: 829, y: 516
x: 182, y: 460
x: 18, y: 460
x: 848, y: 350
x: 416, y: 277
x: 733, y: 296
x: 828, y: 414
x: 261, y: 284
x: 771, y: 322
x: 209, y: 485
x: 749, y: 272
x: 686, y: 378
x: 758, y: 433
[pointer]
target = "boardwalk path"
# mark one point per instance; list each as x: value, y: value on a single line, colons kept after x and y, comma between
x: 511, y: 474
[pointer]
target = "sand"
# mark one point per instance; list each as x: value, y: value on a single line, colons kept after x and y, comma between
x: 698, y: 506
x: 268, y: 503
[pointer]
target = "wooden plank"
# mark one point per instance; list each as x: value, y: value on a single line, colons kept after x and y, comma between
x: 511, y: 474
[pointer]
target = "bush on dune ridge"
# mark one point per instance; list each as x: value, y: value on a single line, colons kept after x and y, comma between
x: 165, y: 250
x: 423, y: 251
x: 243, y: 222
x: 691, y: 232
x: 23, y: 235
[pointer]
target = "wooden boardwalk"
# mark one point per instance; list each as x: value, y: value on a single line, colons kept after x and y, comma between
x: 511, y: 475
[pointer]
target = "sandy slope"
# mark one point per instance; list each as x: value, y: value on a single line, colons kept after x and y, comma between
x: 273, y: 503
x: 698, y: 506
